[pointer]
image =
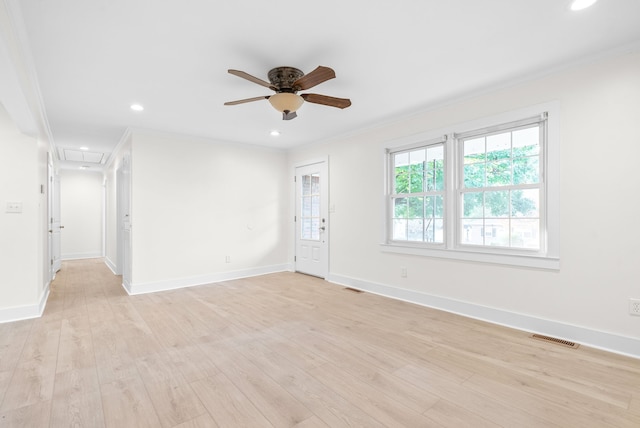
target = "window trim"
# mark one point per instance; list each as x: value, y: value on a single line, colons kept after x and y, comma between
x: 548, y: 258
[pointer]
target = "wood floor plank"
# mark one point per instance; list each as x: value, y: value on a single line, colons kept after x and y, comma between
x: 34, y: 415
x: 379, y: 406
x: 553, y: 410
x: 32, y: 383
x: 113, y: 360
x: 497, y: 411
x: 449, y: 414
x: 12, y: 339
x: 331, y: 407
x: 634, y: 404
x: 192, y: 363
x: 312, y: 422
x: 77, y: 400
x: 127, y: 404
x: 350, y: 363
x: 5, y: 379
x: 43, y: 340
x: 228, y: 406
x: 274, y: 402
x: 78, y: 410
x: 76, y: 345
x: 174, y: 400
x: 202, y: 421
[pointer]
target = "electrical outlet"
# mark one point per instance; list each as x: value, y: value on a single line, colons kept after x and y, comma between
x: 14, y: 207
x: 403, y: 272
x: 227, y: 259
x: 634, y: 307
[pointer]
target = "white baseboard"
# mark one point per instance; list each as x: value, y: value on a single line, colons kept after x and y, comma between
x: 111, y: 265
x: 25, y: 312
x: 596, y: 339
x: 78, y: 256
x: 172, y: 284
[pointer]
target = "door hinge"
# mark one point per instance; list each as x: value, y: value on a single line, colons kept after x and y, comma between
x: 295, y: 218
x: 294, y: 258
x: 295, y: 178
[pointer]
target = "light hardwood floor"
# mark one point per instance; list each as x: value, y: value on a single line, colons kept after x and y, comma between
x: 288, y: 350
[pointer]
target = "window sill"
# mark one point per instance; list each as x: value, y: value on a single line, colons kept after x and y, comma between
x: 539, y: 262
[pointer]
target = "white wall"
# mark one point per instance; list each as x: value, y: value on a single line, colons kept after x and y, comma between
x: 196, y: 201
x: 81, y: 211
x: 600, y: 147
x: 19, y: 234
x: 24, y: 144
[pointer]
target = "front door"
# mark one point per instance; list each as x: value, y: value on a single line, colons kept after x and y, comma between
x: 311, y: 220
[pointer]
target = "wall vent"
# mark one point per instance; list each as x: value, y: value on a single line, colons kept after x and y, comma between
x: 353, y: 290
x: 555, y: 340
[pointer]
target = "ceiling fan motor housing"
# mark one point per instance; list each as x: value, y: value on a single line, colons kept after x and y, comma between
x: 282, y: 78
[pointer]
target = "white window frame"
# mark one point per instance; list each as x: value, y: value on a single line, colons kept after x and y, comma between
x: 548, y: 257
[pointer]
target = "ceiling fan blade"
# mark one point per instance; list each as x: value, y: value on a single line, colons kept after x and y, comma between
x: 317, y: 76
x: 251, y: 78
x: 326, y: 100
x: 289, y: 115
x: 246, y: 100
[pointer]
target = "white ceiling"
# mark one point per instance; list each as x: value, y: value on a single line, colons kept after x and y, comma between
x: 93, y: 59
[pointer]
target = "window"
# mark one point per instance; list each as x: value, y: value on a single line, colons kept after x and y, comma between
x: 484, y: 191
x: 418, y: 194
x: 501, y: 186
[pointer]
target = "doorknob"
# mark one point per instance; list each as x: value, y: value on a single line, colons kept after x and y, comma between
x: 322, y: 228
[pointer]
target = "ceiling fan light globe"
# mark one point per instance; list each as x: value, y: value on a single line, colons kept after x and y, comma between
x: 285, y: 101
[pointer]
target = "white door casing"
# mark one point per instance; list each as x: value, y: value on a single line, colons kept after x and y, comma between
x: 312, y: 219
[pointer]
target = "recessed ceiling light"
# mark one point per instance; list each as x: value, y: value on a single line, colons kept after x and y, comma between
x: 85, y: 167
x: 274, y: 133
x: 137, y: 107
x: 84, y: 148
x: 582, y: 4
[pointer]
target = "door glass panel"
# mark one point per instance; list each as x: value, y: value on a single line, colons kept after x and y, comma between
x: 315, y: 184
x: 306, y: 185
x: 310, y: 203
x: 306, y: 206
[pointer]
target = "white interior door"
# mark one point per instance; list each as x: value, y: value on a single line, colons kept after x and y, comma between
x: 53, y: 214
x: 312, y: 220
x: 123, y: 178
x: 53, y: 199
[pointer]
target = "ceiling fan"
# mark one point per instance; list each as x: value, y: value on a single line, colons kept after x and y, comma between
x: 286, y: 82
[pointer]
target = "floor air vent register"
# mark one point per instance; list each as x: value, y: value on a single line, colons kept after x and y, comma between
x: 557, y: 341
